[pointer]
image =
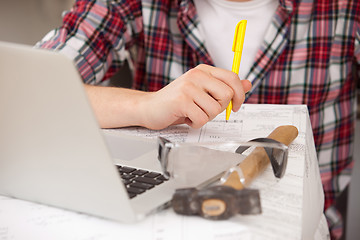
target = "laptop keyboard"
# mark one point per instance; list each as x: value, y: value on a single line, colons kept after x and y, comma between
x: 138, y: 181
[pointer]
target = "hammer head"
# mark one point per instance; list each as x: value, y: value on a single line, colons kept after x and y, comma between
x: 217, y: 202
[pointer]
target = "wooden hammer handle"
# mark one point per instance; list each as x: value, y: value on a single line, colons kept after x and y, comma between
x: 258, y: 160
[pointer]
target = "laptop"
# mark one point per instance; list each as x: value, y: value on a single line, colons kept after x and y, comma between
x: 52, y: 150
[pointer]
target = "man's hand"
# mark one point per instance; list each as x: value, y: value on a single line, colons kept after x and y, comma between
x: 194, y: 98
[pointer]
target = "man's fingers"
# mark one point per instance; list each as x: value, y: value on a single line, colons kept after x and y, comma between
x: 239, y: 98
x: 207, y: 103
x: 232, y: 81
x: 209, y: 93
x: 196, y: 117
x: 246, y: 85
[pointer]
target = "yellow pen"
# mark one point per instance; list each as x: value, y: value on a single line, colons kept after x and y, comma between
x: 237, y: 49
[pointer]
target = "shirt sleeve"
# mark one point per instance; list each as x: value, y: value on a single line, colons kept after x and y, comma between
x: 96, y: 34
x: 357, y: 39
x: 357, y: 46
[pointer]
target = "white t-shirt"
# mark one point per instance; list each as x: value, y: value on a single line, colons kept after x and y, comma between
x: 218, y: 19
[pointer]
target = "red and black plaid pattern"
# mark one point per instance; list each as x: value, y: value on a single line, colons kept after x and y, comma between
x: 305, y: 58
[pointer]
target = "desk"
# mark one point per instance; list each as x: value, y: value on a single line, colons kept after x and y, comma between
x: 292, y: 207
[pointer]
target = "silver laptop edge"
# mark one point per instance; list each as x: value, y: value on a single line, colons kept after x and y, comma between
x: 52, y: 149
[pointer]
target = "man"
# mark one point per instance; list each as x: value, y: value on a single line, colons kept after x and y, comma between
x: 299, y: 52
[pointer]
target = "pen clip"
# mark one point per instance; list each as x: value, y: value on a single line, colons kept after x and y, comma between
x: 239, y: 36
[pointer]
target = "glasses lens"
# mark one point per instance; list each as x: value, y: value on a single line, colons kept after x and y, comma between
x: 276, y: 151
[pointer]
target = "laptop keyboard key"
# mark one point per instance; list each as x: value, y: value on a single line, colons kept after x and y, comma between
x: 139, y: 172
x: 127, y: 176
x: 126, y: 181
x: 152, y: 175
x: 141, y: 185
x: 126, y: 169
x: 162, y: 178
x: 148, y: 180
x: 131, y: 195
x: 135, y: 190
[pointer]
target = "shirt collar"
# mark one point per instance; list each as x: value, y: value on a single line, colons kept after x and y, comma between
x: 187, y: 21
x: 288, y: 5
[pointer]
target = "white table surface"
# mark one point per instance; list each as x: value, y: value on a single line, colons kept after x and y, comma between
x: 292, y: 207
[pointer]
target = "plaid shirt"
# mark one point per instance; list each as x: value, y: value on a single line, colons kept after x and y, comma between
x: 305, y: 58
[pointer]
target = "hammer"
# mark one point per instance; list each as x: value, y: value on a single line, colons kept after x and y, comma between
x: 230, y: 198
